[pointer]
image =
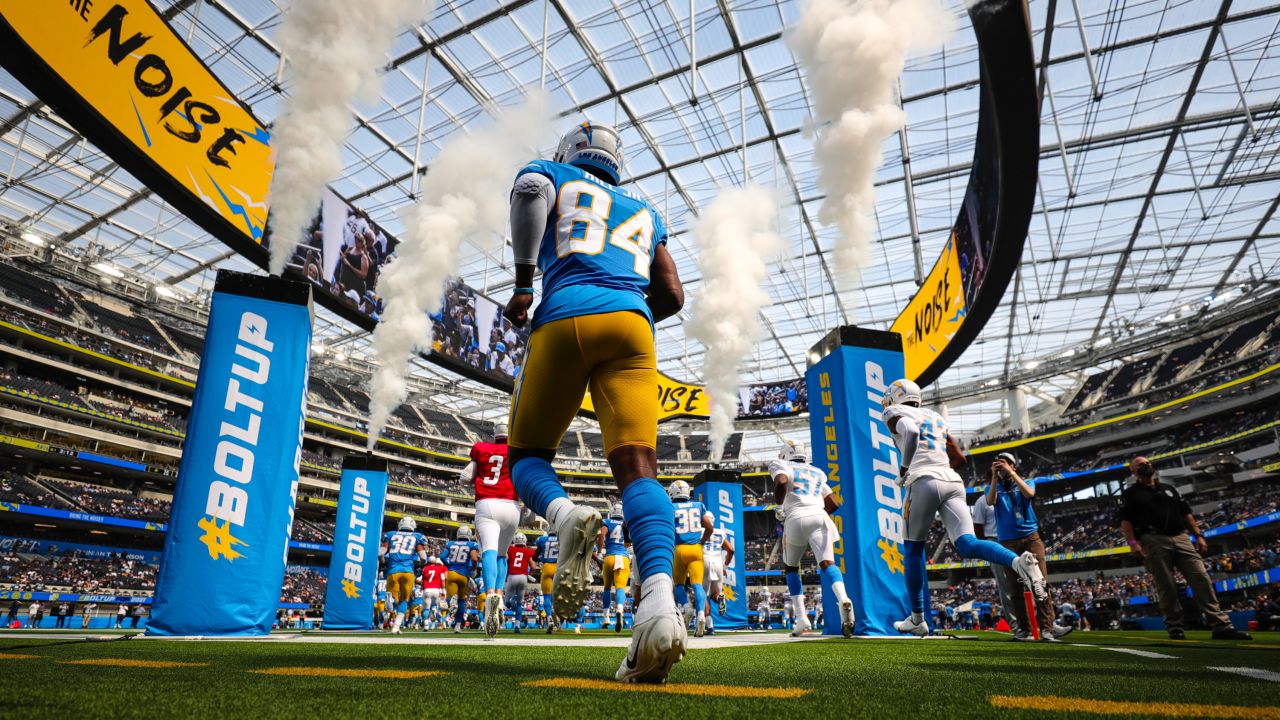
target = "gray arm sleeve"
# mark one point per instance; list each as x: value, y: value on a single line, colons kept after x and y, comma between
x: 909, y: 436
x: 531, y: 200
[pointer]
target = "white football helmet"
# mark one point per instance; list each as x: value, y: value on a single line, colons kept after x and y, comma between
x: 592, y: 145
x: 408, y: 524
x: 901, y: 391
x: 520, y: 539
x: 791, y: 450
x: 499, y: 430
x: 616, y: 511
x: 679, y: 490
x: 464, y: 533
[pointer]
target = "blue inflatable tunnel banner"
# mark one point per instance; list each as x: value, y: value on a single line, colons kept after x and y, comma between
x: 724, y: 502
x: 353, y: 566
x: 228, y: 536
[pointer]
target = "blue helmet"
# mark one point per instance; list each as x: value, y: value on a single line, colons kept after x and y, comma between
x: 594, y: 146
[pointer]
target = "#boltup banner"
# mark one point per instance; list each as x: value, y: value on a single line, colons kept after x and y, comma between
x: 224, y: 557
x: 353, y: 566
x: 853, y: 446
x: 724, y: 502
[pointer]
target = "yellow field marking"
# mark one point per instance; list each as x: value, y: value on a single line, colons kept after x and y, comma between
x: 734, y: 691
x: 124, y: 662
x: 17, y: 656
x: 348, y: 672
x: 1050, y: 703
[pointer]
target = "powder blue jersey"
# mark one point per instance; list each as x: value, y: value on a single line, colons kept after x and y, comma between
x: 615, y: 538
x: 689, y: 515
x: 402, y: 548
x: 547, y: 549
x: 457, y: 555
x: 598, y: 246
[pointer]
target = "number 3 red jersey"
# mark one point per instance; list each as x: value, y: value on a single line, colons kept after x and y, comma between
x: 493, y: 477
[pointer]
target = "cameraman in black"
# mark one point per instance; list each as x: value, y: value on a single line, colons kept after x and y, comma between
x: 1155, y: 521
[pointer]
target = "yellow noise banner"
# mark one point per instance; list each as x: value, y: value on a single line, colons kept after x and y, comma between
x: 127, y: 63
x: 934, y: 315
x: 675, y: 400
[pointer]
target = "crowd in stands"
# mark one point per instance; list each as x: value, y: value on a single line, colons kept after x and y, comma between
x: 303, y: 585
x: 100, y: 500
x: 74, y: 571
x: 105, y: 402
x: 775, y: 399
x: 16, y: 488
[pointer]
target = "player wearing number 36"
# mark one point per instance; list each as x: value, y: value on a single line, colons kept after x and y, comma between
x: 497, y: 516
x: 606, y: 279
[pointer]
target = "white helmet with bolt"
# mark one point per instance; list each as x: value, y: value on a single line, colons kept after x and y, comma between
x: 594, y: 146
x: 679, y: 490
x: 464, y: 533
x: 408, y: 524
x: 900, y: 392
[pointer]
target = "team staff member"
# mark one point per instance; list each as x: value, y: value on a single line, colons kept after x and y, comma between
x: 1017, y: 528
x: 1155, y: 521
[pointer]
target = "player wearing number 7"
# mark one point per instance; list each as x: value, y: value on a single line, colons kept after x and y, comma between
x: 929, y: 454
x: 497, y: 515
x: 606, y: 279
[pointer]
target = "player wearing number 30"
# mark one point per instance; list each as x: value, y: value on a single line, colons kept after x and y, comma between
x: 807, y: 503
x: 606, y: 279
x: 497, y: 515
x: 400, y: 548
x: 934, y: 487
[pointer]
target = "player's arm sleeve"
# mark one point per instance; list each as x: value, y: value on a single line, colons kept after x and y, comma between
x: 531, y: 200
x: 909, y: 436
x: 468, y: 472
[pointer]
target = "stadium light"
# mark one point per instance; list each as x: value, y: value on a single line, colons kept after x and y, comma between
x: 33, y: 238
x: 165, y: 291
x: 107, y: 268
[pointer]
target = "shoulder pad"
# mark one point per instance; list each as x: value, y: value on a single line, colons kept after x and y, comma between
x: 779, y: 467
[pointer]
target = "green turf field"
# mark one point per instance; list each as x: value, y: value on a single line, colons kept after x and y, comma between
x: 59, y: 676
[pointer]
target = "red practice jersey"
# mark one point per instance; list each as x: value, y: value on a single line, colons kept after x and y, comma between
x: 433, y: 577
x: 493, y: 477
x: 519, y: 559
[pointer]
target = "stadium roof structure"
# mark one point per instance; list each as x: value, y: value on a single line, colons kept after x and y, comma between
x: 1159, y: 178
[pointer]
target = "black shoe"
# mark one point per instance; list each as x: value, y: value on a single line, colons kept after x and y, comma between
x: 1177, y: 634
x: 1231, y: 634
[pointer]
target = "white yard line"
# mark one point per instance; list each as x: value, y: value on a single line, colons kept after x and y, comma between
x: 1251, y: 672
x: 1129, y: 651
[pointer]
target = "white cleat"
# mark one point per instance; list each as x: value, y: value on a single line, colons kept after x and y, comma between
x: 1060, y: 631
x: 1028, y: 568
x: 686, y: 612
x: 656, y: 645
x: 800, y: 627
x: 457, y: 628
x: 846, y: 618
x: 571, y: 587
x: 492, y: 614
x: 911, y: 627
x: 700, y: 626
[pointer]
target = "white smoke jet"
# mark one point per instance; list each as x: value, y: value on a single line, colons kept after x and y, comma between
x: 335, y: 49
x: 853, y: 52
x: 735, y: 235
x: 465, y: 194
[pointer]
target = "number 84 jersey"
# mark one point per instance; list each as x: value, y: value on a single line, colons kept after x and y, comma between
x: 493, y: 476
x: 598, y: 247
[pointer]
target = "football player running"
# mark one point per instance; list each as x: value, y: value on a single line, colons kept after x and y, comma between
x: 606, y: 279
x: 460, y: 556
x: 519, y: 562
x: 694, y: 526
x: 933, y: 487
x: 717, y: 554
x: 433, y: 576
x: 547, y: 553
x: 400, y: 548
x: 616, y: 565
x: 497, y: 515
x: 807, y: 504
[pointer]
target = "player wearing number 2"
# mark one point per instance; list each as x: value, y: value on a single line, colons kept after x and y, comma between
x: 934, y: 487
x: 497, y: 515
x: 606, y: 279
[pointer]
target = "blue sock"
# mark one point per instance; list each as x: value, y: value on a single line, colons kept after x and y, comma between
x: 793, y: 583
x: 537, y: 484
x: 833, y: 575
x: 621, y: 599
x: 489, y: 568
x: 606, y: 598
x: 502, y: 573
x: 699, y: 597
x: 546, y: 607
x: 682, y: 596
x: 917, y: 585
x: 403, y: 607
x: 993, y: 552
x: 651, y: 521
x: 461, y: 615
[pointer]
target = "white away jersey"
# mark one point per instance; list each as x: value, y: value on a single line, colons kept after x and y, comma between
x: 714, y: 546
x: 930, y: 457
x: 806, y: 487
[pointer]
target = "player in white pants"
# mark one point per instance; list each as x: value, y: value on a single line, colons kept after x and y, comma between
x: 933, y: 488
x: 807, y: 503
x: 497, y: 516
x: 763, y: 611
x: 717, y: 554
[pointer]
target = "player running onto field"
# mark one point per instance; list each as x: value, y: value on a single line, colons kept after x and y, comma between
x: 807, y: 504
x: 519, y: 562
x: 547, y: 552
x: 433, y: 576
x: 401, y: 548
x: 717, y: 554
x: 497, y: 515
x: 694, y: 526
x: 933, y: 487
x: 460, y: 556
x: 606, y: 279
x: 616, y: 565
